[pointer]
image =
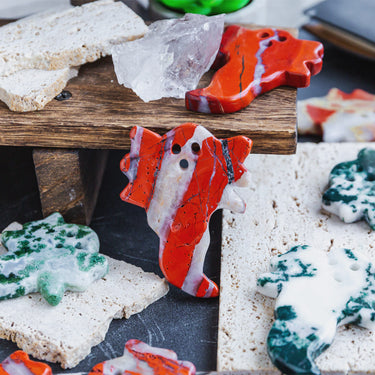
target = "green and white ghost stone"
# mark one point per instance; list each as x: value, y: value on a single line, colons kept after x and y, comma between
x: 316, y: 292
x: 50, y: 257
x: 351, y: 193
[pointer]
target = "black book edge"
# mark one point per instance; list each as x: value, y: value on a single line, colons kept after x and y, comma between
x: 341, y: 38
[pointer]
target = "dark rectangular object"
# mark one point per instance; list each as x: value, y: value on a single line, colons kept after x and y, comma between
x: 355, y: 17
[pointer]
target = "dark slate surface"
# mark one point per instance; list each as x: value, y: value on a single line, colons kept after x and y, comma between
x: 185, y: 324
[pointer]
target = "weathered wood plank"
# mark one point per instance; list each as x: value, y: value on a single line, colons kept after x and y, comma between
x: 101, y: 113
x: 69, y: 181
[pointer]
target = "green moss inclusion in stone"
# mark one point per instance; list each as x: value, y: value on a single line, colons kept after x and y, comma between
x: 50, y: 256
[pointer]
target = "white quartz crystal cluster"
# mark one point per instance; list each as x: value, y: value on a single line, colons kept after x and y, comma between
x: 171, y: 58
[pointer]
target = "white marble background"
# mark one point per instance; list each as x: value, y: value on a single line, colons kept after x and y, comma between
x: 20, y: 8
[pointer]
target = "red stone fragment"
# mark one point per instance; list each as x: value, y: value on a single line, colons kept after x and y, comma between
x: 339, y: 116
x: 142, y: 359
x: 252, y: 62
x: 20, y: 363
x: 180, y: 179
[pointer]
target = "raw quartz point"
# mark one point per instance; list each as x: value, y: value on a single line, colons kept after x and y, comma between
x: 351, y: 192
x: 19, y: 363
x: 316, y: 292
x: 50, y: 257
x: 171, y: 58
x: 142, y: 359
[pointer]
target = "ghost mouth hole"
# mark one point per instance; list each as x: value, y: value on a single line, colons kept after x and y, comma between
x: 338, y: 278
x: 184, y: 164
x: 355, y: 267
x: 176, y: 148
x: 195, y: 147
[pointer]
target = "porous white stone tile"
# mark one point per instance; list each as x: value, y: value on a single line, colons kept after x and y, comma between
x: 284, y: 210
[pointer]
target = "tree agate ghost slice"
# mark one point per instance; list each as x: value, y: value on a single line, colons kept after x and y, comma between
x: 50, y: 257
x: 316, y: 292
x: 142, y: 359
x: 351, y: 193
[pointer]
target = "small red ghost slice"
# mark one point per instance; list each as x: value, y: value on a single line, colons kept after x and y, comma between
x: 253, y: 62
x: 339, y: 117
x: 20, y: 363
x: 142, y: 359
x: 180, y: 179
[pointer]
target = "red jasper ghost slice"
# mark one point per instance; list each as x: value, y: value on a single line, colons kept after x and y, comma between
x: 142, y: 359
x: 338, y: 116
x: 20, y: 363
x: 253, y: 62
x: 180, y: 179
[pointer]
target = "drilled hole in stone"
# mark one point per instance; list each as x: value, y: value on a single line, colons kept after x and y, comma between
x: 184, y: 164
x: 176, y: 148
x: 282, y: 38
x: 265, y: 35
x: 195, y: 147
x: 269, y: 44
x: 354, y: 267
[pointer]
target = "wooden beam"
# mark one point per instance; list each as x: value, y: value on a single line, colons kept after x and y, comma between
x: 101, y: 113
x: 69, y: 181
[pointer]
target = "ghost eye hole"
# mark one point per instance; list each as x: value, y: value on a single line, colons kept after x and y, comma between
x: 184, y: 164
x: 195, y: 147
x: 176, y: 148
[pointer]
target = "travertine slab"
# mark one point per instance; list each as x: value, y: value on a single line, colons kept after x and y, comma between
x: 71, y: 37
x: 284, y: 210
x: 31, y: 89
x: 38, y: 53
x: 67, y: 332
